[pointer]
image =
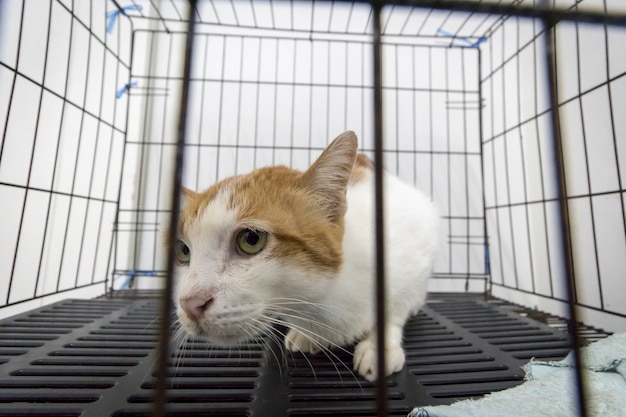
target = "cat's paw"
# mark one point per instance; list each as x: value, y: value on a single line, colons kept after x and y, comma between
x: 298, y: 342
x: 365, y: 361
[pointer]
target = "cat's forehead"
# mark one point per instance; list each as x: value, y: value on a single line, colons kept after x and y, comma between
x: 209, y: 214
x: 264, y: 195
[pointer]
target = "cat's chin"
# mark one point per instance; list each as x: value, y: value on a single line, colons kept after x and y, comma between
x: 228, y: 341
x: 221, y: 337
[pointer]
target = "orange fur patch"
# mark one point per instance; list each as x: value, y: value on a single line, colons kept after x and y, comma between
x: 195, y: 203
x: 303, y: 213
x: 303, y: 234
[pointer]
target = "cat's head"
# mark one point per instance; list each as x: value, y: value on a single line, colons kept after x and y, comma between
x: 252, y: 244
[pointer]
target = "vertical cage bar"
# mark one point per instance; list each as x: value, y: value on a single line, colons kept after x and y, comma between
x: 615, y: 138
x: 541, y: 156
x: 113, y: 251
x: 481, y: 133
x: 160, y: 390
x: 565, y: 236
x: 522, y: 139
x: 159, y: 178
x: 381, y: 388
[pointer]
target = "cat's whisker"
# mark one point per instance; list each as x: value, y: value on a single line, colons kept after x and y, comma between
x: 319, y: 324
x: 310, y: 332
x: 281, y: 311
x: 296, y: 301
x: 345, y: 338
x: 179, y: 346
x: 151, y: 322
x: 279, y: 342
x: 255, y: 336
x: 181, y: 357
x: 278, y: 339
x: 273, y: 338
x: 263, y: 331
x: 310, y: 335
x: 251, y: 337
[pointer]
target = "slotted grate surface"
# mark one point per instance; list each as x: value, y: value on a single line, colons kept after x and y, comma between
x: 96, y: 358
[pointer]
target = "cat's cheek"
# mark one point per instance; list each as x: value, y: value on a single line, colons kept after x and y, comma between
x: 180, y: 274
x: 292, y: 281
x: 189, y: 325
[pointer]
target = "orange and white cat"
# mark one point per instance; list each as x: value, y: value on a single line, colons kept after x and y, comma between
x: 280, y: 246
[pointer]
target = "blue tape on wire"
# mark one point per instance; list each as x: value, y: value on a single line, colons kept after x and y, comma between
x: 132, y: 273
x: 467, y: 41
x: 120, y: 93
x: 113, y: 14
x: 126, y: 283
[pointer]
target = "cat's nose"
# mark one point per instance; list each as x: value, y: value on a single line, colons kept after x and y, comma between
x: 195, y: 306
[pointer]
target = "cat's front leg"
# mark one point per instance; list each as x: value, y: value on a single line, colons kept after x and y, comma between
x: 365, y: 360
x: 297, y: 341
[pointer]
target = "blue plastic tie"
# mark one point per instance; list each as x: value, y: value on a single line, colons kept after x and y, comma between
x: 126, y: 283
x: 132, y: 273
x: 113, y: 14
x: 120, y: 93
x: 467, y: 41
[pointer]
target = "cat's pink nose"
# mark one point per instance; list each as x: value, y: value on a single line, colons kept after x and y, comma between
x: 195, y: 306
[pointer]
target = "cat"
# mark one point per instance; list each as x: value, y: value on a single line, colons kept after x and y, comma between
x: 280, y: 246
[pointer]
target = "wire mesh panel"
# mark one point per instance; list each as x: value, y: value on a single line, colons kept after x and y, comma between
x: 278, y: 98
x: 532, y: 200
x: 61, y: 141
x: 520, y: 172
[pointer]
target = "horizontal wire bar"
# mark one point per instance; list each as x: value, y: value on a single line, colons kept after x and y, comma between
x: 303, y: 84
x: 565, y: 301
x: 37, y: 297
x: 55, y: 192
x: 535, y: 11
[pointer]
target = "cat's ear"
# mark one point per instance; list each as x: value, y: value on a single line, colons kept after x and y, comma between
x: 329, y: 175
x: 186, y: 195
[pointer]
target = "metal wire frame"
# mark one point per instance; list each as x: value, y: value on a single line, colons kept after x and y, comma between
x: 378, y: 158
x: 381, y: 386
x: 160, y: 391
x: 465, y: 104
x: 488, y: 13
x: 575, y: 16
x: 51, y: 191
x: 564, y: 218
x: 550, y: 17
x: 562, y: 200
x: 526, y: 202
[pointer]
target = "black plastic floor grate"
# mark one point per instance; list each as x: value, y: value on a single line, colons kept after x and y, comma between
x: 96, y: 358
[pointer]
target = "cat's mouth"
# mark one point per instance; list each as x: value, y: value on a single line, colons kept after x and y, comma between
x: 225, y: 330
x: 224, y: 338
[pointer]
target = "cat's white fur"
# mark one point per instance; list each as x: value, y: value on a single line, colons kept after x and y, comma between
x: 250, y: 293
x: 411, y: 242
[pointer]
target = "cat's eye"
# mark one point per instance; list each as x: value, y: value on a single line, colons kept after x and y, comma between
x: 251, y: 241
x: 183, y: 253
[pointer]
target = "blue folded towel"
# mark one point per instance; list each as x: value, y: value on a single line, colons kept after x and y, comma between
x: 550, y: 388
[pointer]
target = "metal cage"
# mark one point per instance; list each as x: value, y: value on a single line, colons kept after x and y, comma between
x: 507, y: 113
